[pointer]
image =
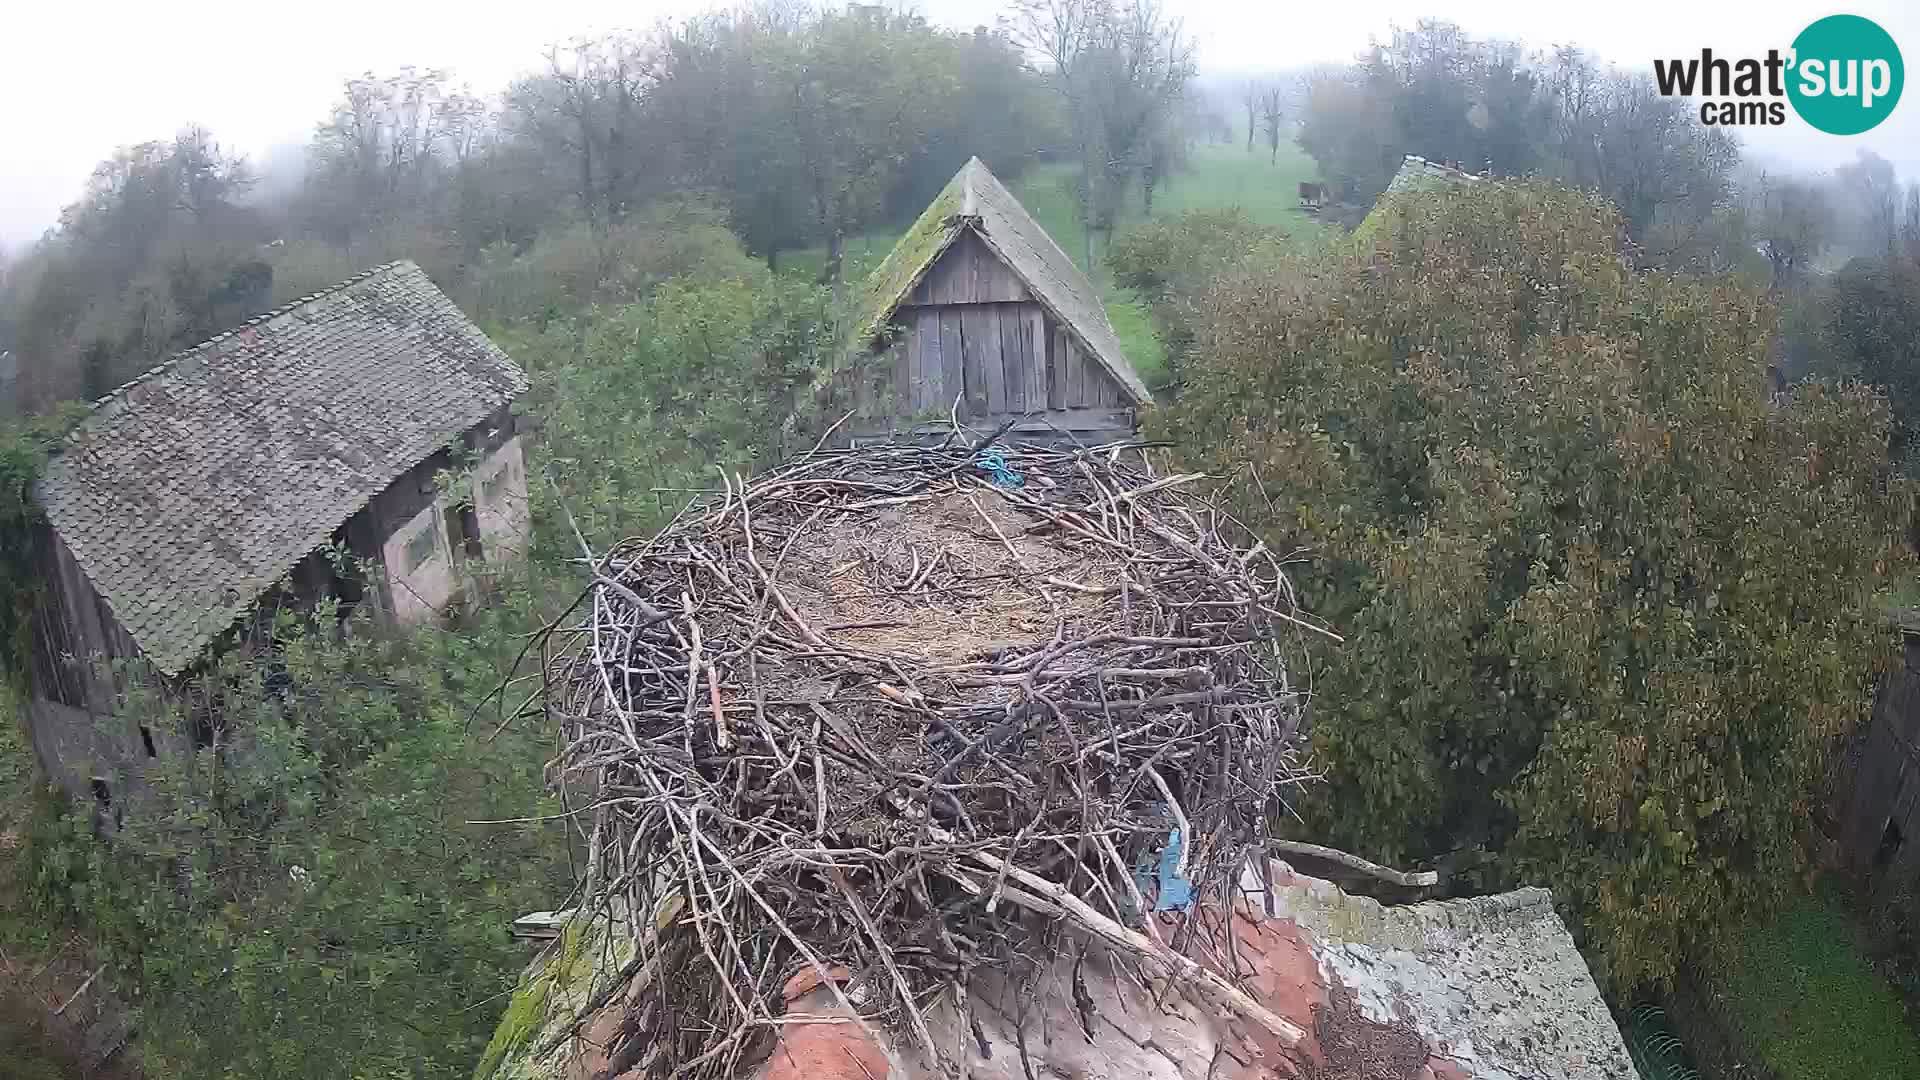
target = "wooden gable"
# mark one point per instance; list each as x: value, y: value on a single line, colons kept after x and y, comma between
x: 972, y: 329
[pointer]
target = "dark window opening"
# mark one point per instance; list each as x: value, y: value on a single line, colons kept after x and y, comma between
x: 1890, y: 841
x: 200, y: 720
x: 463, y: 530
x: 146, y: 740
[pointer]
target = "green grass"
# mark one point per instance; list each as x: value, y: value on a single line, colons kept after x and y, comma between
x: 1805, y: 1002
x: 1217, y: 177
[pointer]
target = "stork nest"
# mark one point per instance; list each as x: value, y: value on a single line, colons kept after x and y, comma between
x: 887, y: 714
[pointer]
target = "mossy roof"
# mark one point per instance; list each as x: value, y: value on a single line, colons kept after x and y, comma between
x: 976, y: 200
x: 1416, y: 174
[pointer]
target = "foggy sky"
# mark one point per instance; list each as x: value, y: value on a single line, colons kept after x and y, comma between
x: 78, y: 80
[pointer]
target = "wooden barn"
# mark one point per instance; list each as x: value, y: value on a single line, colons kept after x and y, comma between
x: 292, y: 458
x: 1876, y: 787
x: 977, y: 311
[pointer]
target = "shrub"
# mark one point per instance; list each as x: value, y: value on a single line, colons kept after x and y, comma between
x: 1169, y: 262
x: 571, y: 267
x: 322, y: 898
x: 1608, y: 604
x: 707, y: 373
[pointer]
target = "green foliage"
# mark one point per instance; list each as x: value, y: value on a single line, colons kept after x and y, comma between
x: 706, y: 373
x: 23, y: 454
x: 1870, y: 330
x: 1167, y: 262
x: 572, y: 267
x: 1805, y: 1002
x: 318, y: 897
x: 158, y: 252
x: 1607, y: 604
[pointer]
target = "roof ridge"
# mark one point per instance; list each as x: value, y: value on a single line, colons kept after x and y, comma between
x: 173, y: 360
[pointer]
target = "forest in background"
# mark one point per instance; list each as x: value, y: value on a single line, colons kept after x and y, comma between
x: 656, y: 226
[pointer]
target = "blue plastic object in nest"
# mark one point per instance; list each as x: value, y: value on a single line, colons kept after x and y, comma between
x: 994, y: 464
x: 1171, y: 891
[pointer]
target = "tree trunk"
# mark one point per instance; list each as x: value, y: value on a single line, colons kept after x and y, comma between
x: 836, y: 251
x: 1086, y: 214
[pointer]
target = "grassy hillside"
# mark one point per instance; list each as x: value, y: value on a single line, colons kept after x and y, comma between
x: 1217, y: 177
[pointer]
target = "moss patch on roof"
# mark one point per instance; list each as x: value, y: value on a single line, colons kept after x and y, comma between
x: 923, y: 243
x: 1416, y: 175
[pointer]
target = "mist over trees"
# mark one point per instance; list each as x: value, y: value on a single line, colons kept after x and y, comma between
x: 801, y: 127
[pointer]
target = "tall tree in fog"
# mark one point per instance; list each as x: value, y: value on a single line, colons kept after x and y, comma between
x: 1270, y: 125
x: 1120, y: 70
x: 1870, y: 198
x: 380, y: 156
x: 1792, y: 226
x: 586, y: 112
x: 1250, y: 97
x: 159, y: 252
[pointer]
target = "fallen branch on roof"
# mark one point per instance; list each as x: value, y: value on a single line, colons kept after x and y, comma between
x: 906, y: 710
x: 1412, y: 879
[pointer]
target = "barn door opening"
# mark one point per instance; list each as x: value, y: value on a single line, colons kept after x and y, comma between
x: 1889, y: 849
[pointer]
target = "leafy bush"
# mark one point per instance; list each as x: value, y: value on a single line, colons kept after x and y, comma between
x: 1171, y: 261
x: 1607, y: 604
x: 573, y: 266
x: 325, y: 902
x: 707, y: 373
x: 1871, y: 331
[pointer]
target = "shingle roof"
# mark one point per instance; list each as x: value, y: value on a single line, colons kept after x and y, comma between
x: 190, y: 490
x: 975, y: 199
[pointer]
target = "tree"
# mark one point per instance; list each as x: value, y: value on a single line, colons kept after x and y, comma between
x: 1607, y: 606
x: 160, y: 251
x: 1668, y: 174
x: 1270, y: 121
x: 1794, y: 226
x: 1870, y: 330
x: 587, y: 110
x: 1120, y: 71
x: 379, y: 160
x: 1870, y: 195
x: 857, y: 95
x: 1250, y: 97
x: 1910, y: 223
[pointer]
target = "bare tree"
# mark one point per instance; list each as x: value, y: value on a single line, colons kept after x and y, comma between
x: 1270, y: 98
x: 586, y: 109
x: 1121, y: 69
x: 1250, y: 97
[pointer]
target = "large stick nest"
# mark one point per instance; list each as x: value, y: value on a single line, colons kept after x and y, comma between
x: 880, y: 709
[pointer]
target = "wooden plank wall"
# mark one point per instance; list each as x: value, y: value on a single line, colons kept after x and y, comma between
x: 999, y: 357
x: 969, y: 273
x: 971, y: 329
x: 74, y: 627
x: 1879, y: 781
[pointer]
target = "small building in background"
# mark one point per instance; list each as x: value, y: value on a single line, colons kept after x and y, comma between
x: 1416, y: 174
x: 297, y: 457
x: 978, y: 314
